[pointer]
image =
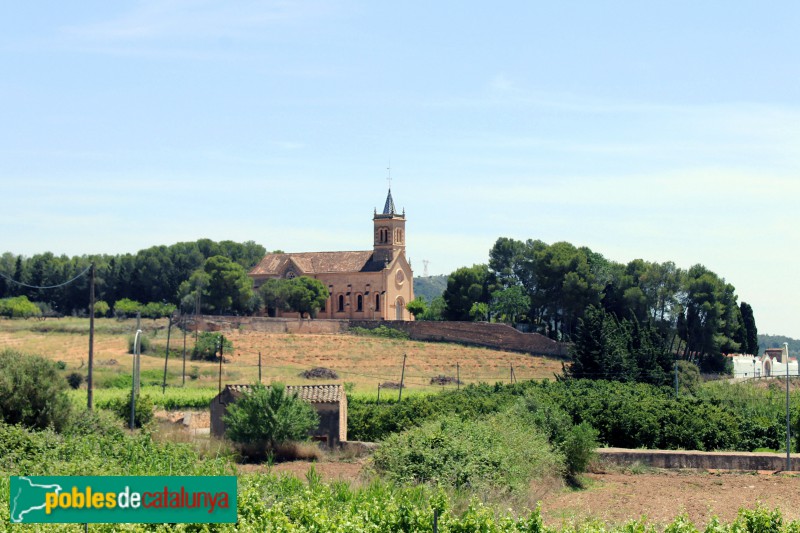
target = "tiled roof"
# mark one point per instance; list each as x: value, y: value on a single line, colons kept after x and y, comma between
x: 317, y: 393
x: 309, y: 393
x: 317, y: 263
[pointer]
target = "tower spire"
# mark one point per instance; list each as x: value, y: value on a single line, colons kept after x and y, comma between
x: 388, y: 207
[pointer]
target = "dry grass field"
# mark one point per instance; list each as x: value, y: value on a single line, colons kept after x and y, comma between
x: 363, y: 361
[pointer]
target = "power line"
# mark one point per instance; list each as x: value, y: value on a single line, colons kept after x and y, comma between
x: 48, y: 286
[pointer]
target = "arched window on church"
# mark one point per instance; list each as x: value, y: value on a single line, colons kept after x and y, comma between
x: 377, y: 302
x: 341, y: 303
x: 359, y: 303
x: 398, y: 235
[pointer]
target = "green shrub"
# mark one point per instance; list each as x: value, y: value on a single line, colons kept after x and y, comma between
x: 19, y: 307
x: 32, y: 392
x: 144, y: 343
x: 127, y: 308
x: 759, y: 520
x: 75, y: 379
x: 95, y: 422
x: 497, y: 453
x: 267, y: 416
x: 578, y: 448
x: 576, y: 442
x: 101, y: 309
x: 207, y: 346
x: 688, y: 377
x: 144, y: 409
x: 380, y: 331
x: 94, y: 445
x: 156, y: 310
x: 61, y: 365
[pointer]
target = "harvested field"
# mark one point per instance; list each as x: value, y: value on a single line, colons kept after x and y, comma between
x: 361, y: 360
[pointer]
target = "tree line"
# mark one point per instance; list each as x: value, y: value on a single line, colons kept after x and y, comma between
x: 574, y: 294
x: 155, y: 274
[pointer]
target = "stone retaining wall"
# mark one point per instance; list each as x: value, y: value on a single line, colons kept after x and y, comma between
x: 271, y: 325
x: 704, y: 460
x: 497, y: 336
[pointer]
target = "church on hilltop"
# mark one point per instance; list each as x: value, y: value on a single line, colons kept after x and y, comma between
x: 372, y: 284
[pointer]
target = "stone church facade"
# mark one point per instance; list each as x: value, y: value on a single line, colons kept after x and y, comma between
x: 372, y: 284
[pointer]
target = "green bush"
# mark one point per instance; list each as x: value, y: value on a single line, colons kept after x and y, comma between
x: 75, y: 379
x: 576, y: 442
x: 144, y: 343
x: 101, y: 309
x: 497, y: 453
x: 207, y: 346
x: 96, y: 445
x: 579, y: 447
x: 144, y: 409
x: 267, y: 416
x: 380, y: 331
x: 32, y: 392
x: 127, y: 308
x: 19, y: 307
x: 156, y: 310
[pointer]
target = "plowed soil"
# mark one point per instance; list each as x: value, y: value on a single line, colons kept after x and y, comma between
x: 617, y: 497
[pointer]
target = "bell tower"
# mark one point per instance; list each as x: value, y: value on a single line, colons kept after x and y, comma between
x: 390, y: 232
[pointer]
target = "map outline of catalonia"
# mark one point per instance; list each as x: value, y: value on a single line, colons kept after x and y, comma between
x: 17, y: 516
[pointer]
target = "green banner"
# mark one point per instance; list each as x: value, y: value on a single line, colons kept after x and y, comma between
x: 128, y: 499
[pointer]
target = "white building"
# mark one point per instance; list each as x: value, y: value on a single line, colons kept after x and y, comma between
x: 772, y: 364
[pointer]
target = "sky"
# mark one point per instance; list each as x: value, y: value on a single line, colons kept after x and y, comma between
x: 663, y: 131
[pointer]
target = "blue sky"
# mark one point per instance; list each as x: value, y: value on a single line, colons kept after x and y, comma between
x: 665, y: 131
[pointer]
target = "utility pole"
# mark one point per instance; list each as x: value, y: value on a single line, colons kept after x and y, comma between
x: 183, y: 321
x: 137, y: 358
x: 89, y: 378
x: 402, y: 379
x: 135, y: 377
x: 196, y: 315
x: 221, y: 342
x: 259, y: 367
x: 166, y: 357
x: 788, y: 426
x: 458, y: 377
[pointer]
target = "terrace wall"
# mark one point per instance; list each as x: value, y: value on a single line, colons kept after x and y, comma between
x: 497, y: 336
x: 773, y: 462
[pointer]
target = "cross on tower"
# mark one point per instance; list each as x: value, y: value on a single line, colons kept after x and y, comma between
x: 389, y: 175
